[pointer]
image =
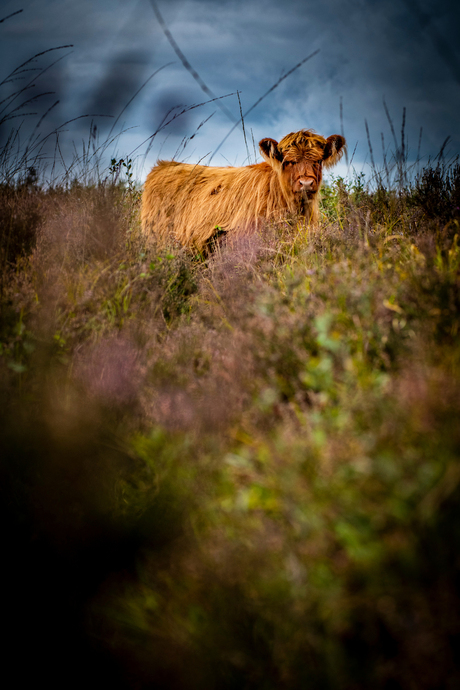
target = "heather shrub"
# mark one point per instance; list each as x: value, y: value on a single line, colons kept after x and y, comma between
x: 437, y: 191
x: 238, y: 470
x: 20, y: 216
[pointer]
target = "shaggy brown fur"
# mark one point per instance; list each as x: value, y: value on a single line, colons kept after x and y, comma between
x: 193, y: 202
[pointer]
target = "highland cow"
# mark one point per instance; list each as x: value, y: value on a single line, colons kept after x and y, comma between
x: 192, y: 203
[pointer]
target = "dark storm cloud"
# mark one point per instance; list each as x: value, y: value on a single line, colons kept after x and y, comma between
x: 405, y: 52
x: 168, y: 103
x: 426, y: 21
x: 123, y: 75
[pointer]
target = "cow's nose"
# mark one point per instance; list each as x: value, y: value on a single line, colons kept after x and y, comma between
x: 308, y: 184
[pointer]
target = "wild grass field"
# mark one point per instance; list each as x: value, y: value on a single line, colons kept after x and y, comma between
x: 234, y: 472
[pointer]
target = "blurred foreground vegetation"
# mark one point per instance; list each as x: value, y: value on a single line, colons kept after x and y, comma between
x: 241, y: 471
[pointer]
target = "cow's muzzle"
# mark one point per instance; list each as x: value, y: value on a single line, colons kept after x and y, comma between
x: 308, y: 185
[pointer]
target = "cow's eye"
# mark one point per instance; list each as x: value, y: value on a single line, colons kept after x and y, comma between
x: 287, y: 163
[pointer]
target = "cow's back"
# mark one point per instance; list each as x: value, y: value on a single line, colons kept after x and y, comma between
x: 190, y: 202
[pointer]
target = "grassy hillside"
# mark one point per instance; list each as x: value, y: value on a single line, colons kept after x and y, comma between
x: 239, y: 472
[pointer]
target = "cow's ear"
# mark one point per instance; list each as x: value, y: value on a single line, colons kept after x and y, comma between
x: 334, y: 150
x: 270, y: 151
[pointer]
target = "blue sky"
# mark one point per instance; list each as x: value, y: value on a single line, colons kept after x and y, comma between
x: 403, y: 51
